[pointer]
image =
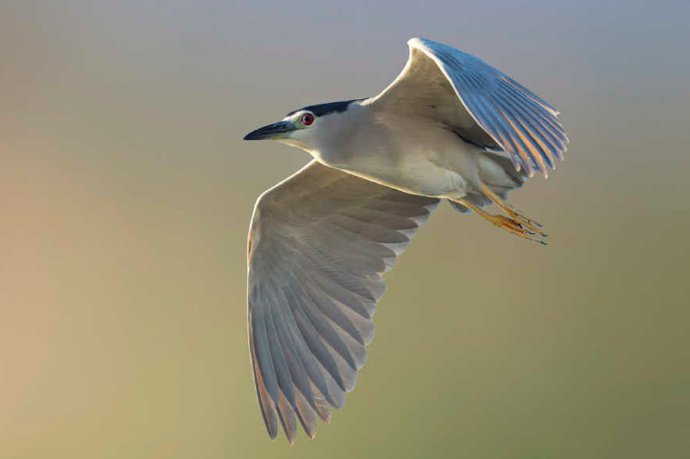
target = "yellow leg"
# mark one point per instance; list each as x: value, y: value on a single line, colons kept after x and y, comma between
x: 507, y: 208
x: 507, y: 223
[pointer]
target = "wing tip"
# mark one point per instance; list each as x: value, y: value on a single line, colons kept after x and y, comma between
x: 420, y: 43
x: 272, y: 434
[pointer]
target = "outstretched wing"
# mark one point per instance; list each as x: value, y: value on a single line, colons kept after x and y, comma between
x: 480, y: 103
x: 319, y: 243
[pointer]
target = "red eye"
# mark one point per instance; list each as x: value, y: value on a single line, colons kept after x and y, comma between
x: 307, y: 119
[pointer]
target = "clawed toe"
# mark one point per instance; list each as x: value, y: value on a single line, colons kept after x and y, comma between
x: 513, y: 222
x: 520, y: 228
x: 528, y: 223
x: 523, y: 226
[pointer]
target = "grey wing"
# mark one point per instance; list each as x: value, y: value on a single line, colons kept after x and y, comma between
x: 319, y: 243
x: 480, y: 103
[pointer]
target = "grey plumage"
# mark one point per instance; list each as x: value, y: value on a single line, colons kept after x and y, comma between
x: 496, y: 111
x: 311, y: 298
x: 449, y: 127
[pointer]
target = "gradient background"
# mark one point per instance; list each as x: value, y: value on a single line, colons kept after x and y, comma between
x: 126, y: 192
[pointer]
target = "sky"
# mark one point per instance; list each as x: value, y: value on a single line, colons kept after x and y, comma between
x: 126, y: 193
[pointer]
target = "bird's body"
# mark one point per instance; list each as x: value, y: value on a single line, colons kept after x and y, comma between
x: 450, y: 127
x: 413, y: 154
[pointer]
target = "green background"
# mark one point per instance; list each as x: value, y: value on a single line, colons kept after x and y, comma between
x: 126, y: 192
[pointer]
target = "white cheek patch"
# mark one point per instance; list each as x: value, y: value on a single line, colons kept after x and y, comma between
x: 294, y: 118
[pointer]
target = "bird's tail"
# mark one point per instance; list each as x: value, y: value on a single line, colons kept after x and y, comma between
x: 497, y: 178
x: 501, y: 180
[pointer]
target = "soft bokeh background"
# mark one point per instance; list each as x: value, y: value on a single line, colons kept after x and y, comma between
x: 125, y: 195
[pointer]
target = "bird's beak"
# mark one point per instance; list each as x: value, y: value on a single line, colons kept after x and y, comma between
x: 272, y: 131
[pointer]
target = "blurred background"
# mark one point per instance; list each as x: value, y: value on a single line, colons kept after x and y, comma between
x: 126, y: 193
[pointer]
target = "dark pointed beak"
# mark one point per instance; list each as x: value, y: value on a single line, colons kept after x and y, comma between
x: 272, y: 131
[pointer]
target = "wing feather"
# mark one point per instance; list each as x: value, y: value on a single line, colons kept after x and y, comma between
x: 319, y: 243
x: 480, y: 103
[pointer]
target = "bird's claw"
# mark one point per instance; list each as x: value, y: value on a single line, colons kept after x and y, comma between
x: 521, y: 227
x: 526, y: 221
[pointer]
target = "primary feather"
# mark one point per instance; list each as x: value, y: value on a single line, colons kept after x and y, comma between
x: 484, y: 105
x: 318, y: 246
x: 449, y: 127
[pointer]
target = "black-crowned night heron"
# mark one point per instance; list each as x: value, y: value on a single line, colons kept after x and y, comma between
x: 450, y: 127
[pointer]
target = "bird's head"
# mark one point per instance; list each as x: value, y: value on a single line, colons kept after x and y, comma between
x: 303, y: 128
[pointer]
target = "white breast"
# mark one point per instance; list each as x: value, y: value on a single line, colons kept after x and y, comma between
x: 414, y: 155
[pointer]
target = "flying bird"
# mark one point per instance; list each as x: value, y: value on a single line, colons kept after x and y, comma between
x: 449, y: 127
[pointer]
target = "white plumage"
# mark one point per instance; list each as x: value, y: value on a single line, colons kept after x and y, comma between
x: 449, y: 127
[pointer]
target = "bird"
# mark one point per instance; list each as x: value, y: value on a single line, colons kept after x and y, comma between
x: 449, y: 128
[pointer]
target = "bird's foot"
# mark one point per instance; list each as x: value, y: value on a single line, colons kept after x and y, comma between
x: 527, y: 222
x: 514, y: 222
x: 521, y: 227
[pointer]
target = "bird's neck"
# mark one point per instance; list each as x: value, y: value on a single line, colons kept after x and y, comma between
x: 344, y: 136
